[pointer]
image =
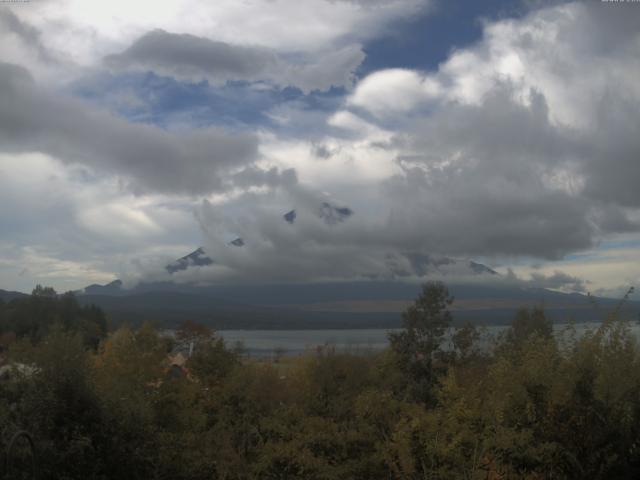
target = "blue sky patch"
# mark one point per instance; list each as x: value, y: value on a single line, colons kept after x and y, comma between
x: 428, y: 40
x: 169, y: 103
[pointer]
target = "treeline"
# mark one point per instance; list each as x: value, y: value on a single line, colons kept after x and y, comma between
x: 534, y: 405
x: 32, y: 317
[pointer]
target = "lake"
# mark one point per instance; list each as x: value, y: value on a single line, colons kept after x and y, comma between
x: 265, y: 343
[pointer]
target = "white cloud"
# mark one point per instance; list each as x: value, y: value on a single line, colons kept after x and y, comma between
x: 26, y: 266
x: 352, y: 164
x: 394, y: 91
x: 523, y: 144
x: 348, y: 121
x: 118, y: 219
x: 501, y: 152
x: 79, y: 34
x: 65, y: 227
x: 610, y: 271
x: 286, y: 25
x: 572, y: 54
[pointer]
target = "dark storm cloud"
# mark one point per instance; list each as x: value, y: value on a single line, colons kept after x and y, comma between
x: 149, y: 158
x: 192, y: 57
x: 606, y: 34
x: 308, y: 249
x: 612, y: 169
x: 474, y: 183
x: 500, y: 178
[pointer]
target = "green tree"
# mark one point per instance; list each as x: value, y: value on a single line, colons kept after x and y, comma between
x: 35, y: 315
x: 58, y: 405
x: 212, y: 361
x: 526, y: 323
x: 464, y: 341
x: 128, y: 370
x: 418, y: 344
x: 44, y: 292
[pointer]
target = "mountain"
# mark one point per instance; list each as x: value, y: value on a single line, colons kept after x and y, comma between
x: 197, y: 258
x: 369, y: 304
x: 290, y: 216
x: 424, y: 265
x: 113, y: 288
x: 332, y: 214
x: 349, y: 304
x: 238, y: 242
x: 7, y: 296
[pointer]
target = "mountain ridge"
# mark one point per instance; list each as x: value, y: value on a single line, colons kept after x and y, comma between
x: 8, y: 295
x: 338, y: 304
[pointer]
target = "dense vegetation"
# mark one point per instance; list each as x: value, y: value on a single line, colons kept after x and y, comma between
x: 534, y: 405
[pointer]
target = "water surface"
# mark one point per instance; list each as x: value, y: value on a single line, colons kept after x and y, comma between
x: 265, y: 343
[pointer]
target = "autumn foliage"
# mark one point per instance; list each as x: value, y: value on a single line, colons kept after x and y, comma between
x: 529, y: 404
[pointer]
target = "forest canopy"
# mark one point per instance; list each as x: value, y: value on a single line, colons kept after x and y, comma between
x: 133, y: 403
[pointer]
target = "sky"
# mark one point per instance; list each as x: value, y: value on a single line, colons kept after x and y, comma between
x: 506, y: 132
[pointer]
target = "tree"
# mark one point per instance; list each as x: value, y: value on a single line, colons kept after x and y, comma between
x: 46, y: 292
x: 212, y: 361
x: 58, y: 404
x: 127, y: 371
x: 191, y: 335
x: 464, y: 341
x: 527, y: 323
x: 34, y: 316
x: 418, y: 344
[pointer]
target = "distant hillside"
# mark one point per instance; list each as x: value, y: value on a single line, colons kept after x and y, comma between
x: 113, y: 288
x: 8, y: 295
x: 335, y: 305
x: 361, y: 304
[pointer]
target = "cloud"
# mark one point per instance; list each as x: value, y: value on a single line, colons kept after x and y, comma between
x: 46, y: 268
x: 557, y: 280
x: 523, y: 144
x: 465, y: 180
x: 392, y: 91
x: 471, y: 185
x: 147, y: 158
x: 189, y: 54
x: 607, y: 271
x: 190, y: 57
x: 491, y: 155
x: 530, y: 153
x: 51, y: 213
x: 23, y: 43
x: 323, y: 242
x: 260, y: 22
x: 29, y: 36
x: 588, y: 84
x: 332, y: 69
x: 309, y: 249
